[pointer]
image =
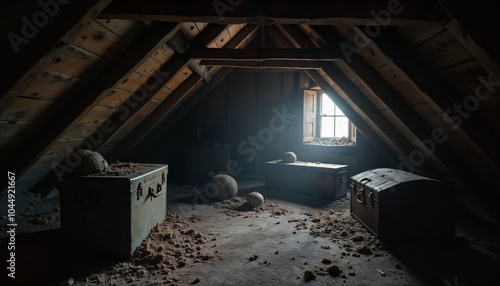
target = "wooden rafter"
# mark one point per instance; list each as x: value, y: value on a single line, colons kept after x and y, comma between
x: 442, y: 98
x: 288, y: 64
x: 168, y: 71
x: 162, y: 112
x: 52, y: 131
x: 384, y: 127
x: 282, y: 41
x: 325, y: 54
x: 410, y: 119
x: 26, y: 53
x: 356, y: 119
x: 271, y: 12
x: 474, y: 24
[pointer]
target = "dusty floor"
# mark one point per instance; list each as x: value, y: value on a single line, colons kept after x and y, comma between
x: 290, y: 240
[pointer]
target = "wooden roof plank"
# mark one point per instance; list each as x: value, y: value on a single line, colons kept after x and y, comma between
x: 33, y: 55
x: 170, y: 71
x: 439, y: 95
x: 78, y: 109
x: 158, y: 116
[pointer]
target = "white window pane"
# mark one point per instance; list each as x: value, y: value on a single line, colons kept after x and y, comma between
x: 327, y: 124
x: 338, y: 111
x: 341, y: 127
x: 326, y: 105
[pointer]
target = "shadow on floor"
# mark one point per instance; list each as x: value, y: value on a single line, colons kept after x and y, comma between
x: 46, y: 257
x: 187, y: 196
x: 458, y: 262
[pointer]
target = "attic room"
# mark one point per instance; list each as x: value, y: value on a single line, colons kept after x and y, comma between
x: 154, y: 142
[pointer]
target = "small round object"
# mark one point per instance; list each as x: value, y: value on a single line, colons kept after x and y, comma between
x: 223, y: 187
x: 255, y: 199
x: 90, y: 163
x: 289, y: 157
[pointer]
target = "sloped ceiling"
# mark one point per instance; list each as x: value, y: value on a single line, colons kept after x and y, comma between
x: 421, y: 84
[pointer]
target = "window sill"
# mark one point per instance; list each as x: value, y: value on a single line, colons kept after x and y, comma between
x: 330, y: 142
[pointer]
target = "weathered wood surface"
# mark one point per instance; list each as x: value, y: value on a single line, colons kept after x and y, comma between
x: 276, y: 12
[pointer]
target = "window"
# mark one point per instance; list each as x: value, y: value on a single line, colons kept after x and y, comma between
x: 333, y: 122
x: 324, y: 122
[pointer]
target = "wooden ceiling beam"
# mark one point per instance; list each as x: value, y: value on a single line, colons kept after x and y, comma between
x: 162, y: 112
x: 475, y: 25
x: 286, y: 64
x: 384, y: 127
x: 53, y: 130
x: 311, y: 12
x: 410, y: 119
x: 324, y: 54
x: 156, y: 121
x: 360, y: 123
x: 356, y: 119
x: 26, y: 51
x: 148, y: 90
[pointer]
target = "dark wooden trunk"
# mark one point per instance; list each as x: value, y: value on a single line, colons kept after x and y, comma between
x: 326, y: 180
x: 398, y: 206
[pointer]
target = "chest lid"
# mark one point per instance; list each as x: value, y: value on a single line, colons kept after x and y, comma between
x: 397, y: 184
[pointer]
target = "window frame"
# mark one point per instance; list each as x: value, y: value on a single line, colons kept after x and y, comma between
x: 335, y: 116
x: 312, y: 115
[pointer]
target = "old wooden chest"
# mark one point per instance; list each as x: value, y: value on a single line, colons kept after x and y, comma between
x: 399, y: 206
x: 114, y: 214
x: 326, y: 180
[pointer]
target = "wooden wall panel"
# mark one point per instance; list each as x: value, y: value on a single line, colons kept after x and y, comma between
x: 243, y: 106
x: 214, y: 106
